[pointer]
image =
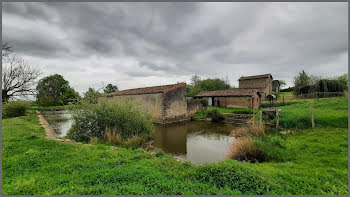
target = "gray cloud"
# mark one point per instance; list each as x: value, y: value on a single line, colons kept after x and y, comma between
x: 138, y: 44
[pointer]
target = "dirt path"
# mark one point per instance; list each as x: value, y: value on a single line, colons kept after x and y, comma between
x: 49, y: 133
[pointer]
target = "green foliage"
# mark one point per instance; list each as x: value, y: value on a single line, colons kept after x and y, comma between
x: 216, y: 115
x: 33, y: 165
x: 14, y: 109
x: 289, y: 89
x: 273, y: 147
x: 91, y: 96
x: 110, y: 88
x: 302, y: 83
x: 93, y: 120
x: 198, y: 85
x: 55, y: 90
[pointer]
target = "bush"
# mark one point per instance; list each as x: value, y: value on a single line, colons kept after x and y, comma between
x: 108, y: 120
x: 244, y: 149
x: 14, y: 109
x: 216, y: 115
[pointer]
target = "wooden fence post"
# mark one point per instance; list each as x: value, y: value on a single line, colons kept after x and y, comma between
x: 283, y: 99
x: 277, y: 119
x: 312, y: 115
x: 260, y: 119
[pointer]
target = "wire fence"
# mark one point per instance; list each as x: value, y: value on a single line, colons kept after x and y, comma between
x: 316, y: 95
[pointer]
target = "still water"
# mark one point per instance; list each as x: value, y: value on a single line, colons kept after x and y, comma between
x: 193, y: 141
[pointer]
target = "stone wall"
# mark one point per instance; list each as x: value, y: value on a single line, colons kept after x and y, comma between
x: 174, y: 105
x: 163, y: 107
x: 151, y: 103
x: 257, y: 83
x: 193, y: 106
x: 245, y: 102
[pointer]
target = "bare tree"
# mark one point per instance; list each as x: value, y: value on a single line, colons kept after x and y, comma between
x: 18, y: 77
x: 6, y: 49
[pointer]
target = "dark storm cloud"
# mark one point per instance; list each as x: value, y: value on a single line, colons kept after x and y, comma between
x: 174, y: 40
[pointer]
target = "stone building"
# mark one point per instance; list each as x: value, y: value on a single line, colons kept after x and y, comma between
x: 261, y: 82
x: 165, y: 103
x: 238, y: 98
x: 276, y: 86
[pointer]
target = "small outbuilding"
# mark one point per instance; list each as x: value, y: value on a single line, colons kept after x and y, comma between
x: 238, y: 98
x: 276, y: 86
x: 261, y: 82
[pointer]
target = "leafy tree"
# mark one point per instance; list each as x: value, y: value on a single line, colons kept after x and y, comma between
x: 302, y: 83
x: 282, y: 83
x: 91, y: 96
x: 198, y: 85
x: 55, y: 90
x: 110, y: 88
x: 343, y: 79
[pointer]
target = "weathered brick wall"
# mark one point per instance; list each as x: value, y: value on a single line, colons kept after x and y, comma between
x: 174, y: 105
x: 257, y: 83
x: 237, y: 102
x: 163, y: 107
x: 151, y: 103
x: 193, y: 106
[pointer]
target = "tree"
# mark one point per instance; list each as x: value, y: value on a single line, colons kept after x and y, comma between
x: 91, y: 96
x: 343, y: 79
x: 195, y: 80
x: 198, y: 85
x: 110, y: 88
x: 302, y: 83
x: 55, y: 90
x: 282, y: 83
x: 18, y: 77
x: 6, y: 49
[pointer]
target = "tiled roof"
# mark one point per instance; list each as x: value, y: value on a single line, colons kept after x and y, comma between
x: 236, y: 92
x: 255, y: 77
x: 147, y: 90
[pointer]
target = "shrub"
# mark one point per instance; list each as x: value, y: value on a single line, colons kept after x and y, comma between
x: 95, y: 120
x: 14, y: 109
x: 244, y: 149
x: 135, y: 142
x: 112, y: 136
x: 216, y: 115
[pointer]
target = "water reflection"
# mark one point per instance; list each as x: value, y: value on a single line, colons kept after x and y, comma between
x: 197, y: 142
x: 60, y: 121
x: 194, y: 141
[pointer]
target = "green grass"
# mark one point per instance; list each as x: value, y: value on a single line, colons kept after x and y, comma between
x: 204, y: 113
x: 328, y: 112
x: 316, y: 163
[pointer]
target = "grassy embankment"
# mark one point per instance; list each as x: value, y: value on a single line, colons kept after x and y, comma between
x: 34, y: 165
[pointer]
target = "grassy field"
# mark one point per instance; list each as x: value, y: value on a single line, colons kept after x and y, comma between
x: 318, y: 163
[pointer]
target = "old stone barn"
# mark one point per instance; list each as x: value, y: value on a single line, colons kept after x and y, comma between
x: 263, y: 83
x: 165, y: 103
x: 238, y: 98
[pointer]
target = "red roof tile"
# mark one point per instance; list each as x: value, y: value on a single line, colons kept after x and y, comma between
x: 147, y: 90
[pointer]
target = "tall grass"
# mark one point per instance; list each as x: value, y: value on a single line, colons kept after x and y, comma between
x: 117, y: 119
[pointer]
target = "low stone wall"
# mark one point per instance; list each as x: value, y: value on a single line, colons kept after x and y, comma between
x: 193, y: 106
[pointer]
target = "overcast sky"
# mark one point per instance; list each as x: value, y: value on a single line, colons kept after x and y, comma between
x: 144, y: 44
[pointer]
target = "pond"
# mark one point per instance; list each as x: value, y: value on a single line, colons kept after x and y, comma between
x: 194, y: 141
